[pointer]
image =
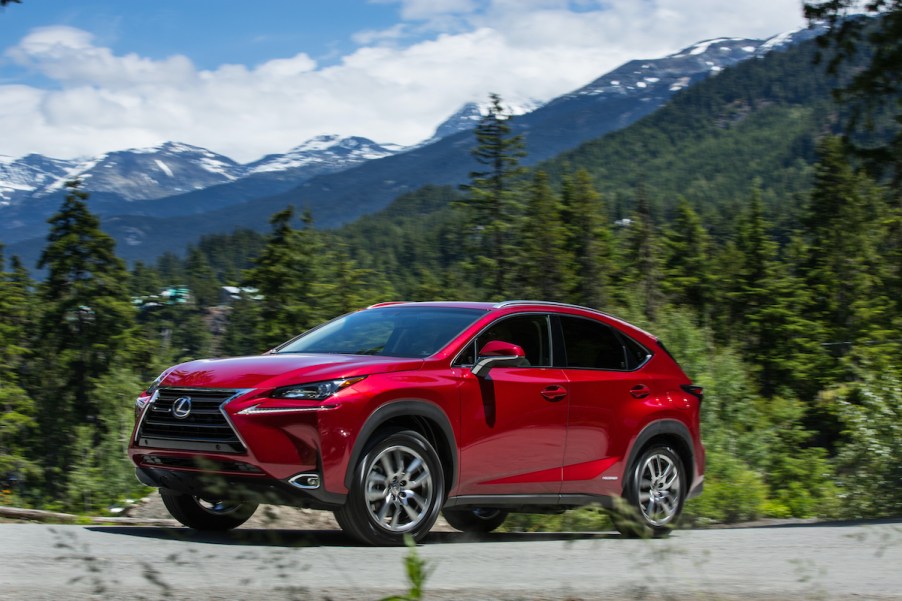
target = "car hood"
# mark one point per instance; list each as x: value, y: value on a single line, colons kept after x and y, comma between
x: 267, y: 371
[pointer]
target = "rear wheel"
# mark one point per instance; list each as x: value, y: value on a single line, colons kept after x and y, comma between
x: 653, y: 495
x: 478, y: 520
x: 397, y: 489
x: 202, y: 514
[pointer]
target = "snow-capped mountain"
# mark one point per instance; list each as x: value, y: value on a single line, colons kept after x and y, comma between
x: 133, y: 175
x: 22, y: 177
x: 149, y: 173
x: 329, y: 151
x: 145, y: 196
x: 175, y: 169
x: 468, y: 116
x: 679, y: 70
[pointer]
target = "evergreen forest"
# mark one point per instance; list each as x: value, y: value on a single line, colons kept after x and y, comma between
x: 754, y: 224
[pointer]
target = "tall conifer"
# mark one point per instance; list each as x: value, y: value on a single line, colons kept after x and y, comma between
x: 491, y: 202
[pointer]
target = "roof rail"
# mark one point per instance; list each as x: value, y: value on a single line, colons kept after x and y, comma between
x: 514, y: 303
x: 388, y: 304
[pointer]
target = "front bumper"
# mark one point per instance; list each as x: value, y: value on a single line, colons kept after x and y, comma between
x: 234, y: 487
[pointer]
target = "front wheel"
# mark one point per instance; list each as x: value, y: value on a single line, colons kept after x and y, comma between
x: 202, y: 514
x: 397, y: 489
x: 477, y: 520
x: 653, y: 494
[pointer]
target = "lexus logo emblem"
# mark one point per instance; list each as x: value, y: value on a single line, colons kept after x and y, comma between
x: 181, y: 408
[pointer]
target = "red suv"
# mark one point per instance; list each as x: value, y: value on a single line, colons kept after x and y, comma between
x: 389, y: 415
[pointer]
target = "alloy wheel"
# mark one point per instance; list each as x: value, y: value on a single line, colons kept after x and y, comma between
x: 399, y: 489
x: 659, y: 489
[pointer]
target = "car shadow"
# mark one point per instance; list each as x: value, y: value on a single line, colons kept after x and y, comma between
x: 265, y: 537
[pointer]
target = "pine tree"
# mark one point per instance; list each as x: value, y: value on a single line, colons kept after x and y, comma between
x: 544, y: 271
x: 242, y: 335
x: 643, y: 270
x: 86, y: 325
x: 17, y: 408
x: 290, y: 275
x: 844, y: 230
x: 491, y: 204
x: 589, y: 240
x: 877, y: 84
x: 200, y: 279
x: 780, y: 340
x: 687, y: 267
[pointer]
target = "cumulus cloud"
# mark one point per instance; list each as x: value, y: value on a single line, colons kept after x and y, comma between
x: 396, y: 87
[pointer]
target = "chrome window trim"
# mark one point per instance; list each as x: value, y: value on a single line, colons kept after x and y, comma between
x: 618, y: 334
x: 550, y: 334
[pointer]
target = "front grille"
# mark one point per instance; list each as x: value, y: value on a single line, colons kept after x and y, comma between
x: 205, y: 428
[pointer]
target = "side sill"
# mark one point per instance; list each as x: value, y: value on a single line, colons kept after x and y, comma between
x: 527, y: 503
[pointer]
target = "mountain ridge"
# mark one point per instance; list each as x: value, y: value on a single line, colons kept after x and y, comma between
x: 336, y: 198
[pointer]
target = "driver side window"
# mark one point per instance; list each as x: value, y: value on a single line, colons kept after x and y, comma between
x: 530, y: 332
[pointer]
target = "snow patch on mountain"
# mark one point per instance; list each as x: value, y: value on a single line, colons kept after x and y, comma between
x: 326, y: 149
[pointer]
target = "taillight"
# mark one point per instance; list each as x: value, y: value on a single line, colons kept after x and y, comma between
x: 696, y: 391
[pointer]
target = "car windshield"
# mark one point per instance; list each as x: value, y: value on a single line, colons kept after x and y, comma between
x: 399, y: 331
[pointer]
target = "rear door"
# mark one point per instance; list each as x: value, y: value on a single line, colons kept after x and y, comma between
x: 600, y: 366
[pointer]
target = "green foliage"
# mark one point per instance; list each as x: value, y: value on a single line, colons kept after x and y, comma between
x: 641, y: 264
x: 492, y: 204
x: 800, y: 477
x: 868, y: 460
x: 101, y: 473
x: 17, y: 420
x: 85, y: 327
x: 688, y: 276
x: 417, y: 570
x: 585, y: 519
x: 544, y: 267
x: 589, y: 241
x: 871, y: 48
x: 733, y: 493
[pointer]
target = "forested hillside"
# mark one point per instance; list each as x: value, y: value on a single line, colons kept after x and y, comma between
x: 737, y: 223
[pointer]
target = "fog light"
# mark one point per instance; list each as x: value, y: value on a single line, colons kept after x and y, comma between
x: 305, y: 481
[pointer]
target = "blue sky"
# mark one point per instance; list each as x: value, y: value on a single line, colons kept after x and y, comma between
x: 83, y: 77
x: 211, y: 32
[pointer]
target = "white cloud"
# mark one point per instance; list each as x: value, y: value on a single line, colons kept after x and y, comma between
x: 394, y: 88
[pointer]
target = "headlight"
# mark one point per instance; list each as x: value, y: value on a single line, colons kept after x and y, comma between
x: 143, y: 401
x: 149, y: 395
x: 315, y: 391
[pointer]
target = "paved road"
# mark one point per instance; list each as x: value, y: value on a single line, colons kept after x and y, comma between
x: 836, y: 561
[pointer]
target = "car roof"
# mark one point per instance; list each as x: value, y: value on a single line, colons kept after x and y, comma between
x: 514, y: 305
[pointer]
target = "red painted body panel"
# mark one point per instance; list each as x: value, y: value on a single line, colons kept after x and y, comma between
x: 512, y: 439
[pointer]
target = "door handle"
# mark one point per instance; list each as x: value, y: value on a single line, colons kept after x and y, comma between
x: 640, y: 391
x: 554, y: 393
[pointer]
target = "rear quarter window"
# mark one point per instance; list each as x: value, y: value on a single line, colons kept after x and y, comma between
x: 590, y: 344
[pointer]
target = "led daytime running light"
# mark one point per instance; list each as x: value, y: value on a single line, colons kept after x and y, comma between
x: 314, y: 391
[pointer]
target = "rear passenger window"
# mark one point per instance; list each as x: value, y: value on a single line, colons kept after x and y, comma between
x: 636, y: 354
x: 592, y: 345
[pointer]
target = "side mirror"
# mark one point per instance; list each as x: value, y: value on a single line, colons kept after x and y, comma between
x: 495, y: 353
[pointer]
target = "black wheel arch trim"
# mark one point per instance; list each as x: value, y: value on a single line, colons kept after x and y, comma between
x: 663, y: 427
x: 404, y: 408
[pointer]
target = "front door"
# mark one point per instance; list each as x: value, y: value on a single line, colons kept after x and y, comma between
x: 513, y: 422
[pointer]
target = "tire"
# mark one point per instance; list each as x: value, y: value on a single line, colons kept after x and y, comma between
x: 201, y: 514
x: 476, y: 520
x: 653, y: 495
x: 397, y: 489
